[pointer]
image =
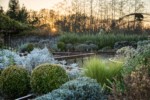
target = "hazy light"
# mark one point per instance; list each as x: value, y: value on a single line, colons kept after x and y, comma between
x: 33, y: 4
x: 54, y: 30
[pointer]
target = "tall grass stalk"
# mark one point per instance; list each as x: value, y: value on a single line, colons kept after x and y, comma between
x: 101, y: 70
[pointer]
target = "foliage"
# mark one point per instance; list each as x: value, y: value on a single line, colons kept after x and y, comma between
x: 35, y: 58
x: 137, y: 85
x: 81, y: 47
x: 15, y: 82
x: 10, y: 24
x: 22, y: 15
x: 7, y: 58
x: 16, y: 13
x: 136, y: 75
x: 126, y: 52
x: 47, y: 77
x: 59, y: 94
x: 1, y: 10
x: 73, y: 71
x: 13, y: 9
x: 99, y: 40
x: 93, y: 47
x: 69, y: 47
x: 61, y: 46
x: 82, y: 88
x: 101, y: 70
x: 138, y: 56
x: 27, y: 48
x: 106, y: 48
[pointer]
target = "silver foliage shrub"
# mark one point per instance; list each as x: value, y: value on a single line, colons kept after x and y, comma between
x: 82, y: 88
x: 59, y: 94
x: 36, y: 57
x: 137, y: 56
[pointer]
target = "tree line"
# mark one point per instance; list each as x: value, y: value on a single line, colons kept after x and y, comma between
x: 87, y: 16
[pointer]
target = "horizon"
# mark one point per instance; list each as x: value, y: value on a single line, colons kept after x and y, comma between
x: 50, y: 4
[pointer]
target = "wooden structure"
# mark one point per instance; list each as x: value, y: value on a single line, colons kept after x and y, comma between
x: 136, y: 22
x: 74, y: 57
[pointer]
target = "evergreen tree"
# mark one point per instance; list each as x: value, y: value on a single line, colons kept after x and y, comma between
x: 23, y: 14
x: 1, y: 10
x: 13, y: 10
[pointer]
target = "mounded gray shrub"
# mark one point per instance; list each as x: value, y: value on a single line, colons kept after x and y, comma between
x: 83, y: 88
x: 59, y: 94
x: 82, y: 47
x: 93, y: 47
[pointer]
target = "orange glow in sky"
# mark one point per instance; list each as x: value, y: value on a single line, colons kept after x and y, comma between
x: 48, y: 4
x: 33, y: 4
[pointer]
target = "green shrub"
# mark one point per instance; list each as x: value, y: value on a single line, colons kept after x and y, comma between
x: 69, y: 47
x: 82, y: 47
x: 61, y: 46
x: 15, y: 82
x: 0, y: 71
x: 93, y: 47
x: 47, y: 77
x: 30, y: 47
x: 101, y: 70
x: 101, y: 41
x: 138, y: 57
x: 27, y: 48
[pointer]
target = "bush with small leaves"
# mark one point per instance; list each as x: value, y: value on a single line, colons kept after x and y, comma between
x: 82, y: 88
x: 15, y: 82
x: 137, y: 86
x: 47, y: 77
x: 61, y: 46
x: 69, y: 47
x: 26, y: 48
x: 82, y: 47
x: 58, y: 94
x: 93, y: 47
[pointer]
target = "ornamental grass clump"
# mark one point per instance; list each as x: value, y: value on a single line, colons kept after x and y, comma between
x: 15, y: 82
x: 47, y: 77
x: 101, y: 70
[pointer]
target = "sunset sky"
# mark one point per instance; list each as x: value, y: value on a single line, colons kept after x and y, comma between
x: 38, y: 4
x: 33, y: 4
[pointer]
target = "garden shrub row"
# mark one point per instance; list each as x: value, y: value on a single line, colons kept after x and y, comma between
x: 101, y: 41
x: 16, y: 81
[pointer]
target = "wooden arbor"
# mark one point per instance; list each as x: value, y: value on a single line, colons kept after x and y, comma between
x: 136, y: 22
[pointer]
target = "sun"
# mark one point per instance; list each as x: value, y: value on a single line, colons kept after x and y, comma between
x: 54, y: 30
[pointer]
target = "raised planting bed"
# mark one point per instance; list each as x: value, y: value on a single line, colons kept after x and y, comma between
x: 74, y: 56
